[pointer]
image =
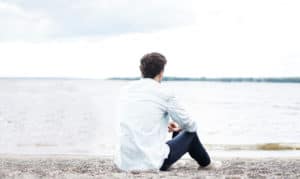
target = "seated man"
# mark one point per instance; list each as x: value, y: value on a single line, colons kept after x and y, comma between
x: 144, y: 112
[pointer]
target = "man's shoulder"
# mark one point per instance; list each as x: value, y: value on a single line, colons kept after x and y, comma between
x: 130, y: 85
x: 166, y: 91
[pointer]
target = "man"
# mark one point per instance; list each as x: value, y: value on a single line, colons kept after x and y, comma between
x: 144, y: 113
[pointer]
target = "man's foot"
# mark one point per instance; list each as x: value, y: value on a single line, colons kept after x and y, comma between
x: 214, y: 165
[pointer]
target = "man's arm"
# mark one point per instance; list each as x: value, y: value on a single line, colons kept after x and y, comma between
x: 180, y: 115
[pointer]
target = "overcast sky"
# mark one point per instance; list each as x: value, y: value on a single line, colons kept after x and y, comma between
x: 105, y: 38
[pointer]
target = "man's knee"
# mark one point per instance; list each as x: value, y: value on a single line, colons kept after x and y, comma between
x: 190, y: 133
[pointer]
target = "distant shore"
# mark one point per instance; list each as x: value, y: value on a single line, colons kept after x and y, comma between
x: 225, y: 79
x: 89, y: 166
x: 173, y: 78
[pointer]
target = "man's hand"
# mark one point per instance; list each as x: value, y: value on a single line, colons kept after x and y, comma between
x: 173, y: 127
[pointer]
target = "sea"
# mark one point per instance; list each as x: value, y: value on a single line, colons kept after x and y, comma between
x: 77, y: 116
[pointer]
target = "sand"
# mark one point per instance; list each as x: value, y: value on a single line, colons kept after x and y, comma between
x: 87, y: 166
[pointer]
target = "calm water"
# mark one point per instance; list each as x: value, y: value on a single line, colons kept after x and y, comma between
x: 77, y: 116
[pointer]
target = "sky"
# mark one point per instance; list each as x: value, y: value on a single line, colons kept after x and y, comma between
x: 107, y: 38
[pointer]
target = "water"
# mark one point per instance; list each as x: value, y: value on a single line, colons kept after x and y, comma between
x: 44, y: 116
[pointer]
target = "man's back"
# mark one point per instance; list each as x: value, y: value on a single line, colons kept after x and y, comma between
x: 145, y: 108
x: 143, y: 121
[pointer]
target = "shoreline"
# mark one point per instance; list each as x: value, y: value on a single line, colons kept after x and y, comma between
x: 109, y: 157
x: 97, y: 166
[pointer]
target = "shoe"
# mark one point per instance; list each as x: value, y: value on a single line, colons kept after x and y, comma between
x: 214, y: 165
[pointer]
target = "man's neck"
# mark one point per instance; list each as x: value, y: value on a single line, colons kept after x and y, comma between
x: 154, y: 79
x: 157, y: 79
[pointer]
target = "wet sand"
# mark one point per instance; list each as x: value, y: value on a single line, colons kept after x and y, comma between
x: 88, y: 166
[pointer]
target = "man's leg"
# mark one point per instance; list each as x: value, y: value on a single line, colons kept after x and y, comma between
x: 179, y: 145
x: 185, y: 142
x: 198, y: 152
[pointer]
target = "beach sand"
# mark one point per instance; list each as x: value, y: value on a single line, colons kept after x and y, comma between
x: 88, y: 166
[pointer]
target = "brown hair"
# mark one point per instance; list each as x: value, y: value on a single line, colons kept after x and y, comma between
x: 152, y: 64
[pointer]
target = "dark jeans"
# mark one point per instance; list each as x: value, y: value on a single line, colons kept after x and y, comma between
x: 183, y: 142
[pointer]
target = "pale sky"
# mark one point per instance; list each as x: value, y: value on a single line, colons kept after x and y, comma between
x: 107, y: 38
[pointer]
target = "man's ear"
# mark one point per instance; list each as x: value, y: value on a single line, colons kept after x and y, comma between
x: 161, y: 74
x: 142, y: 75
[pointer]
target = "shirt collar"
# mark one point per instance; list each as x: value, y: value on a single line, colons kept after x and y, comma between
x: 150, y: 80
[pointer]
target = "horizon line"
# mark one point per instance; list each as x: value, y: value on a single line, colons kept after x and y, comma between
x: 290, y: 79
x: 293, y: 79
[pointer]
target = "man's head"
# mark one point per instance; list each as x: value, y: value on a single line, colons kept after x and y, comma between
x: 152, y: 65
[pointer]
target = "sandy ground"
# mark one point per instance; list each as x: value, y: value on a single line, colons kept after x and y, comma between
x: 73, y: 166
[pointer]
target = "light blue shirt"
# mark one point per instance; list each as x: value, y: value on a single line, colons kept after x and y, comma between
x: 144, y: 110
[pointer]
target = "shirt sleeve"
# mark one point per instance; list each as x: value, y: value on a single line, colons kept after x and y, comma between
x: 180, y: 115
